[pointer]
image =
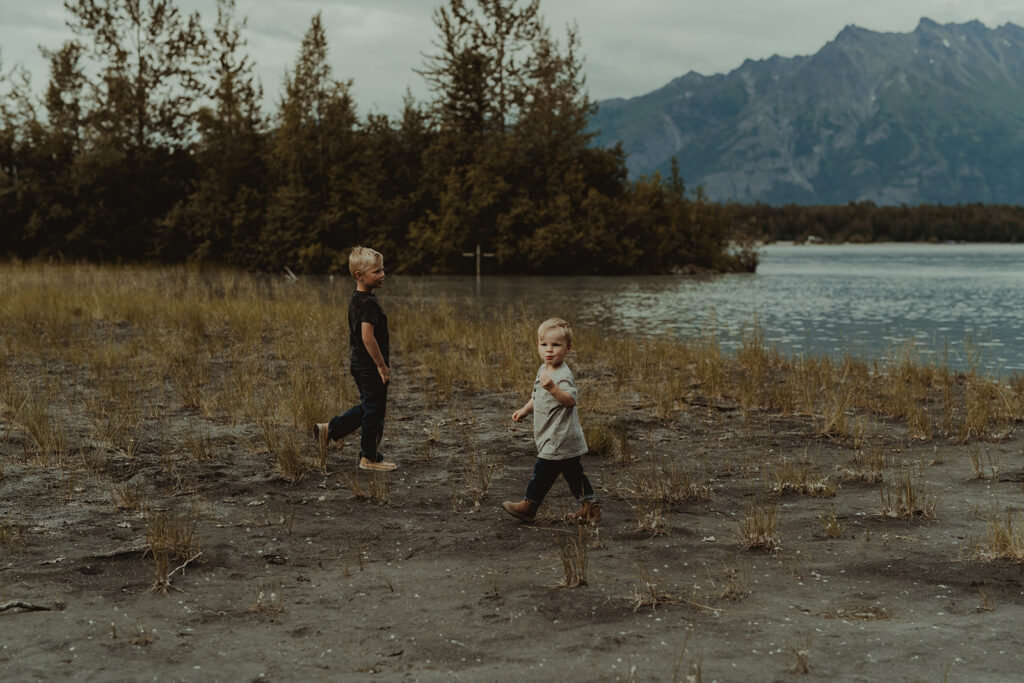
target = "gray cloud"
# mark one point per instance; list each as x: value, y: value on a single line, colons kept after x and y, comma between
x: 630, y: 48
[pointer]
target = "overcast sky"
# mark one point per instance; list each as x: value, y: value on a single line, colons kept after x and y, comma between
x: 630, y: 46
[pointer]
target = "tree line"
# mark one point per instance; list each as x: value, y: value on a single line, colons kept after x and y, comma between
x: 866, y: 222
x: 149, y: 144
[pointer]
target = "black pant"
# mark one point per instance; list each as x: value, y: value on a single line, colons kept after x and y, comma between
x: 368, y: 415
x: 546, y: 471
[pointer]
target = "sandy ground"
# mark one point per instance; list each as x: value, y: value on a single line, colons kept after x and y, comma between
x: 303, y: 581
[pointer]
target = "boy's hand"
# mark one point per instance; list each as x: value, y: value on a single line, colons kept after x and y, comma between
x: 545, y: 380
x: 519, y: 415
x: 385, y: 373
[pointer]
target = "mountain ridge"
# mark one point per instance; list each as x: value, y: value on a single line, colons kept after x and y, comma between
x: 932, y: 116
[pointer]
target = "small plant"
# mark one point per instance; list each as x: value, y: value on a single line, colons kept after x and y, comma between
x: 835, y: 420
x: 687, y: 669
x: 376, y: 488
x: 142, y: 637
x: 601, y: 439
x: 984, y: 464
x: 830, y: 523
x: 478, y: 475
x: 170, y: 537
x: 988, y: 601
x: 189, y: 374
x: 573, y: 552
x: 866, y: 466
x: 126, y: 496
x: 669, y: 486
x: 803, y: 477
x: 646, y: 593
x: 268, y: 603
x: 759, y: 528
x: 46, y: 434
x: 289, y: 455
x: 650, y: 517
x: 736, y: 584
x: 801, y: 654
x: 198, y: 444
x: 1004, y: 539
x: 906, y: 500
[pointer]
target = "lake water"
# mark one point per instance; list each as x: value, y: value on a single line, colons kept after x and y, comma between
x: 964, y: 301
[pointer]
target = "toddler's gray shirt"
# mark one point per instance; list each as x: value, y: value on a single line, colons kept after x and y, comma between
x: 556, y: 429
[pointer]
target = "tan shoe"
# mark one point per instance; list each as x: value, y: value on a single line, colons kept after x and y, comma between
x: 382, y: 466
x: 589, y: 513
x: 524, y: 510
x: 320, y: 432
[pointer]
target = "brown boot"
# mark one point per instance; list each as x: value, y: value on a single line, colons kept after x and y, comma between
x: 590, y: 512
x: 524, y: 510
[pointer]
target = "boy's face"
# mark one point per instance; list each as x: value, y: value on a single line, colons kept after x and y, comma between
x: 370, y: 279
x: 552, y: 347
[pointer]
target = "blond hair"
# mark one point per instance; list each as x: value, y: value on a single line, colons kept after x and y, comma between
x: 361, y: 259
x: 552, y: 323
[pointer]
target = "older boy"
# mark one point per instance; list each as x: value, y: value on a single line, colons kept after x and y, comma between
x: 369, y: 364
x: 556, y: 429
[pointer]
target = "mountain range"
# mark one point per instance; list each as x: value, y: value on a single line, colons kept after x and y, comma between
x: 933, y: 116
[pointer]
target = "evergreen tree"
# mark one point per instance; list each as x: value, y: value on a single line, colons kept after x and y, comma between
x: 314, y: 158
x: 221, y: 216
x: 21, y: 156
x: 136, y: 164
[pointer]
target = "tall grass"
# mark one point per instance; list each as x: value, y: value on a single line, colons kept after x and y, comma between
x: 122, y: 346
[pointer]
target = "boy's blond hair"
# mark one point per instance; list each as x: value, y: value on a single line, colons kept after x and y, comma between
x: 552, y: 323
x: 361, y: 259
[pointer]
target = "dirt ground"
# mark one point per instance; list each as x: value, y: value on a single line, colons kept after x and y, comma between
x: 304, y: 581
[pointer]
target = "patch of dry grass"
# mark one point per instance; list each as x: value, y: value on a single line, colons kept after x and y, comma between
x: 905, y: 499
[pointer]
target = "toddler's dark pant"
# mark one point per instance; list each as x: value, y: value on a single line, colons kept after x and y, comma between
x: 546, y: 471
x: 368, y: 415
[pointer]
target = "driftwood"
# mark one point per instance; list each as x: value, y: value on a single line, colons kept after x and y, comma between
x: 126, y: 550
x: 24, y: 606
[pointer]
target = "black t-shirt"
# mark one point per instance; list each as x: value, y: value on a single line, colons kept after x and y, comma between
x: 366, y: 308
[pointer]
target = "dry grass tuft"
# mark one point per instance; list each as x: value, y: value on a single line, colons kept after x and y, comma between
x: 650, y: 517
x: 759, y: 527
x: 1004, y: 539
x: 171, y: 537
x: 198, y: 444
x: 801, y: 653
x: 735, y: 584
x: 375, y: 489
x: 866, y: 466
x: 984, y: 463
x: 574, y: 554
x: 669, y: 486
x: 268, y: 603
x: 906, y: 500
x: 800, y: 477
x: 477, y: 473
x: 126, y: 496
x: 830, y: 523
x: 647, y: 593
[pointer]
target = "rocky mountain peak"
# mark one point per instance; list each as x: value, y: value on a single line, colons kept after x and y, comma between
x: 929, y: 116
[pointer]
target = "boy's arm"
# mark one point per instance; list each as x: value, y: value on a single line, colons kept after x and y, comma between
x: 372, y: 348
x: 523, y: 412
x: 557, y: 392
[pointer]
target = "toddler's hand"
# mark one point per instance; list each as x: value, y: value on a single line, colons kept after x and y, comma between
x: 545, y: 380
x: 518, y: 415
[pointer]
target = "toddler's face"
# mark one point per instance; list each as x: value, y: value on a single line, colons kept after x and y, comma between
x: 552, y: 347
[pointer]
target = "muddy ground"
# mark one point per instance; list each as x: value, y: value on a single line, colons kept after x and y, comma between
x: 304, y: 581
